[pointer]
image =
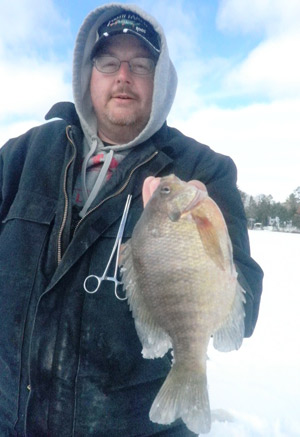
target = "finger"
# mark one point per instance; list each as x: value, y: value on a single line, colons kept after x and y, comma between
x: 198, y: 185
x: 149, y: 186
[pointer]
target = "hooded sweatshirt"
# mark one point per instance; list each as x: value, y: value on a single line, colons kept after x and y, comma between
x: 165, y: 83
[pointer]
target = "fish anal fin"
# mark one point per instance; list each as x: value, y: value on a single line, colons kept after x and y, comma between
x: 231, y: 334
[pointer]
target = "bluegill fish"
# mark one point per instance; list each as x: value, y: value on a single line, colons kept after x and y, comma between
x: 182, y: 288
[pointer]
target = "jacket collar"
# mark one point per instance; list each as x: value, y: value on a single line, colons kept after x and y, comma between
x: 64, y: 110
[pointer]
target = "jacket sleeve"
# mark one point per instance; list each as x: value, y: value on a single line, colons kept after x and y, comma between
x: 9, y: 177
x: 1, y: 184
x: 220, y: 179
x: 1, y: 179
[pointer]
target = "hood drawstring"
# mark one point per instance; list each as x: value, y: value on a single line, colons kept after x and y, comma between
x: 90, y: 153
x: 107, y: 158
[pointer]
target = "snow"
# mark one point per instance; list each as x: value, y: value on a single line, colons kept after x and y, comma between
x: 259, y: 385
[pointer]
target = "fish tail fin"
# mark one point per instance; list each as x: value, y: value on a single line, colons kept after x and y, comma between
x: 183, y: 394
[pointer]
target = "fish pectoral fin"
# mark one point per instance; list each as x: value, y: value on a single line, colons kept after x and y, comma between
x: 155, y: 341
x: 183, y: 395
x: 231, y: 334
x: 210, y: 239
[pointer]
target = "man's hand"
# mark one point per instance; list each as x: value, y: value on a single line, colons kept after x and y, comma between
x: 151, y: 183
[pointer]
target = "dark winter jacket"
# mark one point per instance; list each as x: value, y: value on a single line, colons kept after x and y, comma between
x: 70, y: 362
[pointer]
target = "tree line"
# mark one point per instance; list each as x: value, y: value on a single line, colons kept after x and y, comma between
x: 264, y: 210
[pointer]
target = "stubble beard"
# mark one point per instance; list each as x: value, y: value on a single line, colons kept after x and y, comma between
x: 121, y: 126
x: 122, y: 119
x: 132, y: 120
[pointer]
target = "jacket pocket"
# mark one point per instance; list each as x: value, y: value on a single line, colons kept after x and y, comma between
x: 32, y: 207
x: 22, y: 238
x: 23, y: 232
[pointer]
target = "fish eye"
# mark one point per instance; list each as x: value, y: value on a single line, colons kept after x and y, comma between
x: 165, y: 190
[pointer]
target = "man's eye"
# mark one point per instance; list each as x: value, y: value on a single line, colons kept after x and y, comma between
x: 141, y: 68
x: 107, y: 64
x: 141, y: 65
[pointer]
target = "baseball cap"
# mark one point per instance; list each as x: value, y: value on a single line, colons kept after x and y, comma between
x: 128, y: 22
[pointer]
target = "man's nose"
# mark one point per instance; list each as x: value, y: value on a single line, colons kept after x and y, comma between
x: 124, y: 74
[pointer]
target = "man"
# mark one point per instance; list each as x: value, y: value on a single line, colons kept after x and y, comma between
x: 70, y: 361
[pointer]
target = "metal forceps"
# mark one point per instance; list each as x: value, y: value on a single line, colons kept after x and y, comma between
x: 116, y: 247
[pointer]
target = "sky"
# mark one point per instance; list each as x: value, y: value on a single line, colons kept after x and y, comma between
x: 259, y: 385
x: 238, y: 70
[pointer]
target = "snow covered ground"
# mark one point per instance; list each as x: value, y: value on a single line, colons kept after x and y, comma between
x: 259, y: 385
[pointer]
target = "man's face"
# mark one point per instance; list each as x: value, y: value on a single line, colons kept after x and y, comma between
x: 122, y: 99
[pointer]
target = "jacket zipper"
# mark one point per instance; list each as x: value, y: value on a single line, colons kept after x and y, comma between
x: 117, y: 192
x: 59, y: 239
x: 58, y: 256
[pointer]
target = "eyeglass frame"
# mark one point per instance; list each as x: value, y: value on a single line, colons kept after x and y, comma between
x: 153, y: 62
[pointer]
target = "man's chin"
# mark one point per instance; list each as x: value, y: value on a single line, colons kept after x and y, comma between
x: 123, y: 119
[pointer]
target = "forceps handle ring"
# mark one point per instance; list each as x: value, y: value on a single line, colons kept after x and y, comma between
x: 96, y: 288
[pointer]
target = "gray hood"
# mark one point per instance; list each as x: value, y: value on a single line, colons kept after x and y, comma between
x: 165, y: 80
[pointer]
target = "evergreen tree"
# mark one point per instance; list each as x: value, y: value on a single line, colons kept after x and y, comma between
x: 297, y: 194
x: 263, y: 208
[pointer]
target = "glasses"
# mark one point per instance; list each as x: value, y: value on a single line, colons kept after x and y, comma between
x: 111, y: 64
